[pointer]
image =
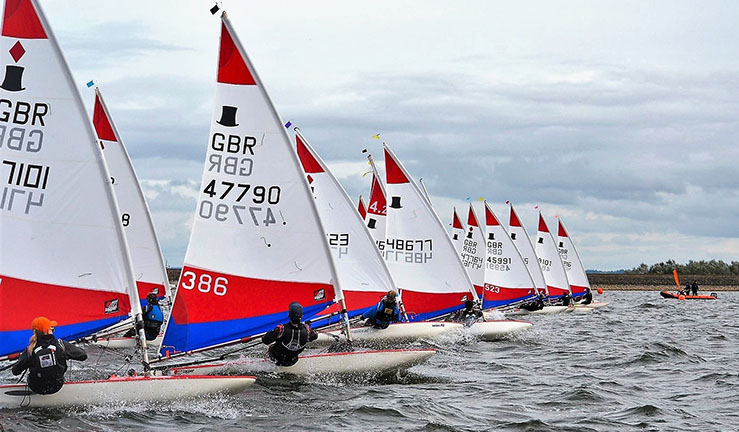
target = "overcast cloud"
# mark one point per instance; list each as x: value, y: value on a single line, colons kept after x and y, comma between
x: 620, y: 117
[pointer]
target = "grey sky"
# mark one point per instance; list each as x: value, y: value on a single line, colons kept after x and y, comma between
x: 619, y: 116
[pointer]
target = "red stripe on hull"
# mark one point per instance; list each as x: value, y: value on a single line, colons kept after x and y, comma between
x: 498, y: 293
x: 23, y: 300
x: 417, y: 303
x: 241, y: 297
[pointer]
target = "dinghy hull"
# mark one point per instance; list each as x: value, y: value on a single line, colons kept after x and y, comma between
x: 398, y: 332
x: 546, y: 310
x: 345, y: 363
x: 125, y: 342
x: 496, y: 330
x: 123, y: 389
x: 668, y: 294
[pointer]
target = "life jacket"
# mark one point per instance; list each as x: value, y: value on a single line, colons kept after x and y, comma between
x: 154, y: 314
x: 48, y: 365
x: 290, y: 343
x: 386, y: 312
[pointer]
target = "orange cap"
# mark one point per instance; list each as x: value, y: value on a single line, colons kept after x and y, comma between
x: 42, y: 324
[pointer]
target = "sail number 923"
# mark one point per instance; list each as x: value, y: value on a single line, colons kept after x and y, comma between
x: 204, y: 283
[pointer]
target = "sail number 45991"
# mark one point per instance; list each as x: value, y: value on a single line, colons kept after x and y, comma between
x: 204, y: 282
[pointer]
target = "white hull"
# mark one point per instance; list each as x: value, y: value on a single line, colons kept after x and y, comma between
x: 398, y: 332
x: 495, y: 330
x: 360, y: 362
x: 597, y: 304
x: 125, y: 342
x: 580, y: 309
x: 544, y: 311
x: 123, y: 389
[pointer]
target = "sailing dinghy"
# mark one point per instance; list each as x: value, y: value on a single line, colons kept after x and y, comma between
x: 257, y: 242
x: 573, y: 266
x: 521, y: 239
x: 146, y: 254
x: 81, y: 275
x: 362, y: 273
x: 472, y: 253
x: 550, y: 262
x: 423, y: 260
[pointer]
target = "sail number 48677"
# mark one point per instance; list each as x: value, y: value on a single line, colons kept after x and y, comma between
x: 204, y: 282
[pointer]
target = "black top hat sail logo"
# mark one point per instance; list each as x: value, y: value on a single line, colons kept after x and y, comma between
x: 396, y: 202
x: 14, y: 74
x: 228, y: 116
x: 491, y: 236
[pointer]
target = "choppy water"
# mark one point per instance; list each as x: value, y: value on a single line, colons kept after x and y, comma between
x: 642, y: 363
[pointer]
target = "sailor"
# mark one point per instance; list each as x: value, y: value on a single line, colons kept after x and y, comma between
x: 566, y: 298
x: 587, y: 298
x: 385, y: 312
x: 535, y: 304
x: 289, y: 339
x: 153, y: 317
x: 46, y: 358
x: 469, y: 314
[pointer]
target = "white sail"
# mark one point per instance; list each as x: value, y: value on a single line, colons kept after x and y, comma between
x: 257, y: 243
x: 419, y: 253
x: 458, y: 232
x: 550, y: 262
x: 146, y: 255
x: 507, y: 280
x: 472, y: 253
x: 576, y: 275
x: 363, y: 275
x: 522, y: 240
x: 63, y: 253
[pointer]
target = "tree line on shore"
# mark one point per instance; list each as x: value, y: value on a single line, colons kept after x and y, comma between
x: 712, y: 267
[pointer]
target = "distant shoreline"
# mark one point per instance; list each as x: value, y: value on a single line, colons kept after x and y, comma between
x: 626, y: 282
x: 652, y: 282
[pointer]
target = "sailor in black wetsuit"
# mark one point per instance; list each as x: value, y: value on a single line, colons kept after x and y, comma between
x: 46, y: 358
x: 587, y: 298
x: 289, y: 339
x: 468, y: 315
x: 535, y: 304
x: 565, y: 299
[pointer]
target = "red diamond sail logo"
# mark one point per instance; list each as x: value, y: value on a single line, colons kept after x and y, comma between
x: 17, y: 51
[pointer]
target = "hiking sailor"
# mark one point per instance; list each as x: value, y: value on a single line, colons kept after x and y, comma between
x: 385, y: 312
x: 289, y: 339
x: 46, y: 358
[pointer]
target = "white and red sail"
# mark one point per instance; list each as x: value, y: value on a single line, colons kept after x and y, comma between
x: 551, y: 265
x: 522, y: 240
x: 507, y: 280
x: 63, y: 253
x: 377, y: 210
x: 418, y: 251
x: 472, y: 253
x: 362, y: 208
x: 458, y: 233
x: 257, y: 243
x: 362, y: 273
x: 146, y: 255
x: 576, y: 275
